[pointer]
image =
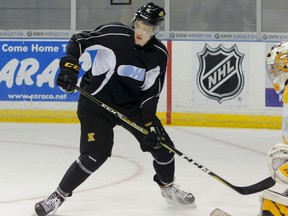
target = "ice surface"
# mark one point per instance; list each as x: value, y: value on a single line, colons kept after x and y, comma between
x: 34, y: 157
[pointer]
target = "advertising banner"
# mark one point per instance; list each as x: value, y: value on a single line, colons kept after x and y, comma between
x: 28, y: 70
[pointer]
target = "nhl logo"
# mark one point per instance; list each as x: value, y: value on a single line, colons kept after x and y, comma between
x: 220, y: 76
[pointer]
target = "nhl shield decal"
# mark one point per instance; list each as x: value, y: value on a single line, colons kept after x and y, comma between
x: 220, y: 76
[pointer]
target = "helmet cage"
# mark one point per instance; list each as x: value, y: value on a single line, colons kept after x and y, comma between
x: 277, y: 65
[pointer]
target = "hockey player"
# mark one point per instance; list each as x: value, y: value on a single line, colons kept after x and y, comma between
x: 274, y: 203
x: 127, y: 73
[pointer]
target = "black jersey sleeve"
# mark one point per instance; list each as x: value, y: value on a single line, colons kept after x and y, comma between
x: 151, y: 96
x: 80, y: 41
x: 77, y: 45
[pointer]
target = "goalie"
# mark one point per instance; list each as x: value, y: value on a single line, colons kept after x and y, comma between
x: 274, y: 203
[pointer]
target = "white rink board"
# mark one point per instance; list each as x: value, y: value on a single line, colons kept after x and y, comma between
x: 186, y: 96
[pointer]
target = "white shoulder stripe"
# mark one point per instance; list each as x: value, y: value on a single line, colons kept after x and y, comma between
x: 98, y: 36
x: 103, y: 35
x: 162, y: 50
x: 112, y: 25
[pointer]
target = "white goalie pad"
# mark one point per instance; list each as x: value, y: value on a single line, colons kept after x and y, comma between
x: 277, y: 159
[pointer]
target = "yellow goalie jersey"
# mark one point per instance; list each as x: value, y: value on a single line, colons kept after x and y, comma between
x: 285, y: 116
x: 274, y: 203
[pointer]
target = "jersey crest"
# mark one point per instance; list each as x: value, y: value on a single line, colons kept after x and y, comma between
x: 220, y: 76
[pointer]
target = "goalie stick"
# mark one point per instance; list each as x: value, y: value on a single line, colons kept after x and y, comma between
x: 260, y: 186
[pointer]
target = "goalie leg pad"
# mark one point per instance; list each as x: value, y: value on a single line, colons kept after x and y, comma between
x: 273, y: 204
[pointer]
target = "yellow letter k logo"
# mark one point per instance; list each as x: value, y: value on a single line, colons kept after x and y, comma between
x: 91, y: 137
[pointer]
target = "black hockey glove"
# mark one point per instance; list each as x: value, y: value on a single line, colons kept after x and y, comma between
x: 68, y: 76
x: 156, y: 135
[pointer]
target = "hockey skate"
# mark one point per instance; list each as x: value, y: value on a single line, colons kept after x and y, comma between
x: 175, y: 196
x: 50, y: 204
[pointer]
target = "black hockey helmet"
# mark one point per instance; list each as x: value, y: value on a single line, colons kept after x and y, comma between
x: 151, y: 14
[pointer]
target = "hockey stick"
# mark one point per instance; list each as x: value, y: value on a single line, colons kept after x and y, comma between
x: 260, y: 186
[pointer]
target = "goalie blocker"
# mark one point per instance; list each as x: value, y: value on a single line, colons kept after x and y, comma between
x: 273, y: 204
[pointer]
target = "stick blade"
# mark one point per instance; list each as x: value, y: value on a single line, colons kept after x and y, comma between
x: 255, y: 188
x: 219, y: 212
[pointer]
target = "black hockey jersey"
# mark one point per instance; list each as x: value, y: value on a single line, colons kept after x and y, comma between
x: 125, y: 76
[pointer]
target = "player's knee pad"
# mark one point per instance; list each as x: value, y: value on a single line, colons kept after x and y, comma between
x: 162, y: 155
x: 165, y: 162
x: 164, y: 165
x: 89, y: 162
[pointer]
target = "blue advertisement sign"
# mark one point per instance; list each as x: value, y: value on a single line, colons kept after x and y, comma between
x: 272, y: 98
x: 28, y: 70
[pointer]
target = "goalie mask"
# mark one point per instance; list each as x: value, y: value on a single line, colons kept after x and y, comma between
x: 277, y: 65
x: 277, y: 159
